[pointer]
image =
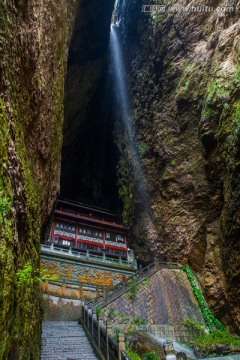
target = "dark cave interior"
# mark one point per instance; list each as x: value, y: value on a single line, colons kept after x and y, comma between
x: 89, y: 153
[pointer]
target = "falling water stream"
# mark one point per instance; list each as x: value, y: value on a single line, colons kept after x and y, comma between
x: 177, y: 346
x: 122, y: 95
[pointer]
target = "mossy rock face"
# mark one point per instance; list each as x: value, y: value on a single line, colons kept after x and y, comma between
x: 143, y: 343
x: 184, y: 82
x: 33, y: 60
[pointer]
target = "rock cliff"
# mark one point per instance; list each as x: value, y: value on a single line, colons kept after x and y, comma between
x: 184, y: 77
x: 34, y: 41
x: 43, y: 43
x: 184, y: 80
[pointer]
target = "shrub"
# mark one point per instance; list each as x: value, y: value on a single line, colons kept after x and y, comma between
x: 218, y: 342
x: 28, y: 276
x: 133, y: 355
x: 133, y: 291
x: 193, y: 324
x: 151, y: 355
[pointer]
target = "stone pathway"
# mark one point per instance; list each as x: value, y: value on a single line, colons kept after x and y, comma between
x: 65, y: 340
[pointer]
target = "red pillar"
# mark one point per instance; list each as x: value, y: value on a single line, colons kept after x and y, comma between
x: 76, y: 235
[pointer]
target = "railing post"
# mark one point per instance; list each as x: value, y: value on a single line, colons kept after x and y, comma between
x: 121, y: 345
x: 140, y: 270
x: 104, y: 294
x: 83, y: 313
x: 86, y: 316
x: 87, y: 254
x: 63, y: 288
x: 51, y: 247
x: 88, y: 319
x: 135, y: 263
x: 109, y: 328
x: 93, y: 317
x: 46, y: 286
x: 100, y: 323
x: 156, y: 263
x: 80, y: 290
x: 109, y: 333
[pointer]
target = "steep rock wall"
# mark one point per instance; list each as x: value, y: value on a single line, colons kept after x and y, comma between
x: 185, y: 86
x: 34, y: 39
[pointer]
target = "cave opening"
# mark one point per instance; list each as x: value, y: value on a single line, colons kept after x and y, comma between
x: 89, y: 153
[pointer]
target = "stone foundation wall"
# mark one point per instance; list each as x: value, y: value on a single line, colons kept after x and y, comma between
x: 80, y: 280
x: 179, y: 333
x: 82, y: 273
x: 166, y: 298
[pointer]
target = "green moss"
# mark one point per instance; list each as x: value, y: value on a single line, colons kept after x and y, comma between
x: 133, y: 354
x: 211, y: 321
x: 6, y: 232
x: 215, y: 343
x: 150, y: 355
x: 188, y: 83
x: 218, y: 90
x: 126, y: 184
x: 142, y: 147
x: 237, y: 74
x: 20, y: 192
x: 209, y: 112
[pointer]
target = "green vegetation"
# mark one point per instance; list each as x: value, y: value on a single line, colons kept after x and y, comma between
x: 133, y: 291
x: 128, y: 320
x: 218, y: 337
x: 112, y: 313
x: 237, y: 74
x: 116, y: 332
x: 28, y: 276
x: 211, y: 321
x: 139, y: 321
x: 133, y: 355
x: 98, y: 311
x: 126, y: 185
x: 151, y: 355
x: 217, y: 89
x: 210, y: 343
x: 193, y: 324
x: 146, y: 281
x: 5, y: 203
x: 208, y: 112
x: 142, y: 147
x: 186, y: 85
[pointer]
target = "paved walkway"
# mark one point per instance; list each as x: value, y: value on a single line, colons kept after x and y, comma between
x: 65, y: 340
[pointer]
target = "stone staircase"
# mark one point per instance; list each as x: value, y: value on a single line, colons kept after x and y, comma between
x: 65, y: 340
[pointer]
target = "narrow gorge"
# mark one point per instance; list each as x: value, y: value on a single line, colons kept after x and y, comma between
x: 166, y: 162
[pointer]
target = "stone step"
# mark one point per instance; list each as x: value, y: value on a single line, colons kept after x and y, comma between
x: 65, y: 341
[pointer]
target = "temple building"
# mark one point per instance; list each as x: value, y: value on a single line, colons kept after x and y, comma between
x: 87, y: 250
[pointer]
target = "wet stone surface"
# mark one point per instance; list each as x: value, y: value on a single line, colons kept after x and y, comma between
x: 65, y: 340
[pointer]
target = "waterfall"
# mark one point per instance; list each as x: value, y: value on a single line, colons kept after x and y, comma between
x: 122, y: 95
